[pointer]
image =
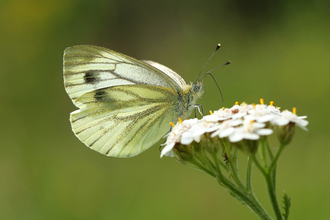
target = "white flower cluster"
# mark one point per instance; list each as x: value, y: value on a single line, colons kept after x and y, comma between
x: 236, y: 123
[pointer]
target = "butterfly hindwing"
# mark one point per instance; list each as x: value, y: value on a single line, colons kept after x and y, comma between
x: 127, y: 121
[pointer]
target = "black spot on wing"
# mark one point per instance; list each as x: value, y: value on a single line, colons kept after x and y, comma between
x: 100, y: 95
x: 91, y: 77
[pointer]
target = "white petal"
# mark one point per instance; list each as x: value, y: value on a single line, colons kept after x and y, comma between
x: 235, y: 137
x: 200, y: 132
x: 265, y: 132
x: 257, y: 125
x: 236, y: 122
x: 211, y: 118
x: 215, y: 133
x: 186, y: 138
x: 227, y: 132
x: 265, y: 118
x: 170, y: 154
x: 239, y: 115
x: 197, y: 138
x: 301, y: 123
x: 281, y: 121
x: 214, y: 128
x: 167, y: 149
x: 251, y: 136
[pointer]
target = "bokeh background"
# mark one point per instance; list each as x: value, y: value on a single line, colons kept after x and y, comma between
x: 279, y: 51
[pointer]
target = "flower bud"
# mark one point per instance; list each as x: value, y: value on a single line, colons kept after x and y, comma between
x: 249, y: 147
x: 285, y: 133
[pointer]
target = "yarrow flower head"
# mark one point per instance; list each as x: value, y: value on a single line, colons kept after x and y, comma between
x: 211, y: 145
x: 238, y: 125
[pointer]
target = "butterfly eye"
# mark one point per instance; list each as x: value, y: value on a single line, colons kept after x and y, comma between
x: 196, y: 88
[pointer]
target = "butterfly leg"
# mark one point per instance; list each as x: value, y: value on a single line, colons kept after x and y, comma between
x: 197, y: 107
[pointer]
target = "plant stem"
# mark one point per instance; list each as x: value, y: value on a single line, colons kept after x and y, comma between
x: 233, y: 167
x: 271, y: 156
x: 245, y: 197
x: 262, y: 153
x: 270, y: 187
x: 199, y: 166
x: 249, y: 175
x: 274, y: 161
x: 273, y: 198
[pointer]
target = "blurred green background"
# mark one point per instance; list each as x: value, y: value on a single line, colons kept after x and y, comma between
x: 279, y: 51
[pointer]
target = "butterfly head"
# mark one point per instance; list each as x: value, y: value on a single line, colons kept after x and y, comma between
x: 198, y: 86
x: 195, y: 92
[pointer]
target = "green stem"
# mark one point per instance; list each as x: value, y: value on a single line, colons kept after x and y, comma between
x: 262, y: 153
x: 272, y: 169
x: 270, y: 152
x: 224, y: 166
x: 256, y: 162
x: 215, y: 158
x: 274, y: 161
x: 200, y: 156
x: 249, y: 181
x: 250, y: 202
x: 249, y: 175
x: 233, y: 168
x: 199, y: 166
x: 273, y: 198
x: 242, y: 194
x: 270, y: 187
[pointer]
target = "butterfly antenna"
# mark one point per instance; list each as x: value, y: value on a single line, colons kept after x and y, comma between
x: 217, y: 68
x: 209, y: 73
x: 216, y: 49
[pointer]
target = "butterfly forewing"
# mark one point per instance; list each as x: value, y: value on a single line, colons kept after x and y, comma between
x: 173, y: 75
x: 87, y: 68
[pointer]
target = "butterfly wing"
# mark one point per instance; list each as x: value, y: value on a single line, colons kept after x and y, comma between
x: 173, y: 75
x: 125, y: 104
x: 123, y: 121
x: 87, y: 68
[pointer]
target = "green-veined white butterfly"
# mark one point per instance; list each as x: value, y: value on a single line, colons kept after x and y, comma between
x: 125, y: 105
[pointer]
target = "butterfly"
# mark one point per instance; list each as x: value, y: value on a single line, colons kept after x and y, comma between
x: 125, y: 105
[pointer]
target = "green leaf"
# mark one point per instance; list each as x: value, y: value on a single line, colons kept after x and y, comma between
x: 287, y: 205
